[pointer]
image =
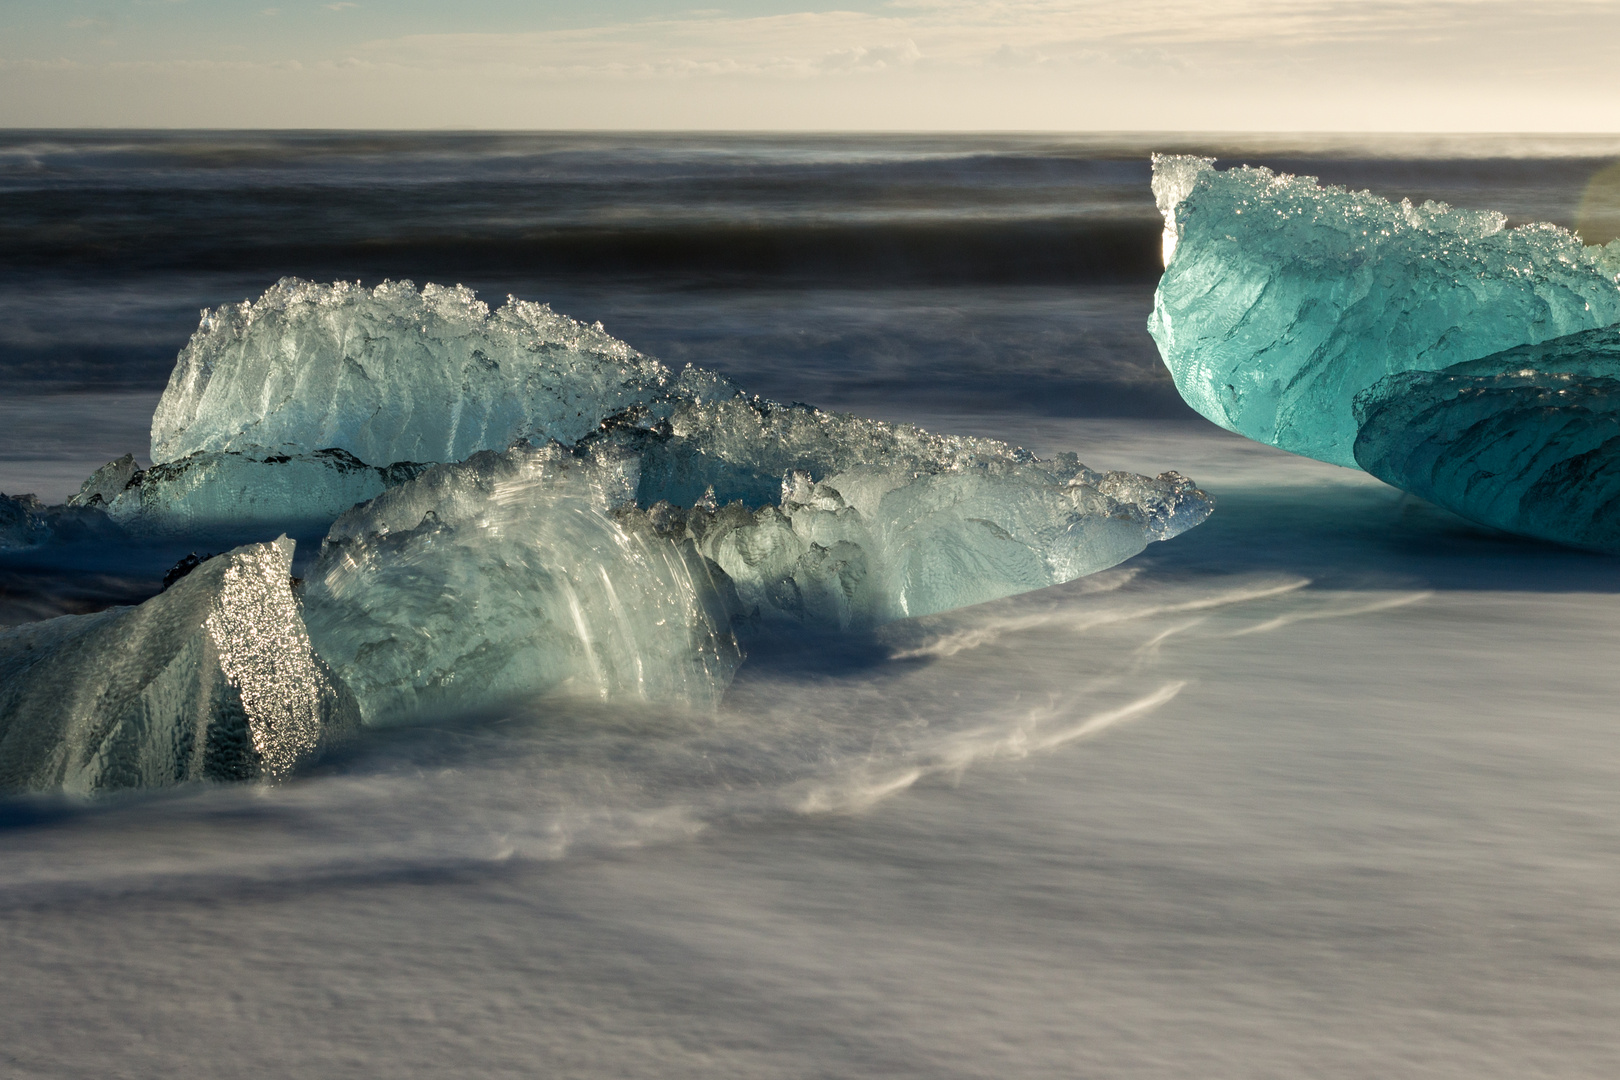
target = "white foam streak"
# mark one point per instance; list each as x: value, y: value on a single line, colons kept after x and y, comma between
x: 1288, y: 619
x: 990, y: 631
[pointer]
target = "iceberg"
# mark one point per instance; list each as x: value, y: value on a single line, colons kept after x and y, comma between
x: 870, y: 545
x: 535, y: 571
x: 391, y: 374
x: 1282, y: 299
x: 513, y: 504
x: 107, y: 482
x: 213, y: 679
x: 242, y: 493
x: 707, y: 439
x: 837, y: 521
x: 1526, y: 440
x: 516, y: 574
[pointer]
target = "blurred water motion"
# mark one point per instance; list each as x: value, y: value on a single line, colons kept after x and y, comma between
x: 1326, y: 787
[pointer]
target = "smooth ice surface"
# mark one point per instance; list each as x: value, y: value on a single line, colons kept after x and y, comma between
x: 391, y: 374
x: 509, y: 575
x: 1282, y: 299
x: 213, y: 679
x: 242, y: 492
x: 1526, y: 440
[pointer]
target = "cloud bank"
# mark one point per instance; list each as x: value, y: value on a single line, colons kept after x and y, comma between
x: 911, y: 64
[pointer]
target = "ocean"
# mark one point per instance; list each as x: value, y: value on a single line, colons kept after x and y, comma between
x: 1328, y: 786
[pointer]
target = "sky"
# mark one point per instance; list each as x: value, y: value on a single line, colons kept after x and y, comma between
x: 964, y: 65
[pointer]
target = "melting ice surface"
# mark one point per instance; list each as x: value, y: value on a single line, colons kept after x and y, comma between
x: 512, y: 574
x: 212, y: 679
x: 597, y: 527
x: 535, y: 571
x: 1282, y: 299
x: 1527, y: 440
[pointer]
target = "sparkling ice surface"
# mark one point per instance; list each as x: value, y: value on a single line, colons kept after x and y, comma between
x: 1282, y: 299
x: 213, y: 679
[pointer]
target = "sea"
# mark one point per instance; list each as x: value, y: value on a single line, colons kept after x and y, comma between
x: 1326, y: 787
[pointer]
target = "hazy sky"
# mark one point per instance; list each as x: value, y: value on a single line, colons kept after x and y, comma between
x: 1433, y: 65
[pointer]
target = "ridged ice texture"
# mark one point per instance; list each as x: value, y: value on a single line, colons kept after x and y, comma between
x: 213, y: 679
x: 741, y: 447
x: 242, y: 493
x: 1282, y: 299
x: 508, y: 575
x: 1527, y: 440
x: 871, y: 545
x: 391, y: 374
x: 107, y: 483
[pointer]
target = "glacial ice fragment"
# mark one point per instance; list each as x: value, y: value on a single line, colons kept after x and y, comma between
x: 242, y: 493
x: 873, y: 544
x: 903, y: 521
x: 511, y: 574
x: 1282, y: 299
x: 1526, y: 440
x: 212, y: 679
x: 106, y: 483
x: 392, y: 374
x: 738, y: 448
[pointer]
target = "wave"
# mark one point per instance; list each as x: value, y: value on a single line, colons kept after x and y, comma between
x: 335, y: 240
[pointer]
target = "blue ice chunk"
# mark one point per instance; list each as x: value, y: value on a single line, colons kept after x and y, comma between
x: 837, y: 521
x: 107, y: 482
x: 870, y: 544
x: 392, y: 374
x: 510, y: 575
x: 1526, y: 440
x: 535, y: 572
x: 737, y: 448
x: 1282, y: 299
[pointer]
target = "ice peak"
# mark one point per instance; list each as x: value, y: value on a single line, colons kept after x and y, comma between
x: 392, y: 373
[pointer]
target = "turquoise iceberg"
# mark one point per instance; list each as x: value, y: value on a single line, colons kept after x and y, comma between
x: 1526, y: 440
x: 1282, y: 298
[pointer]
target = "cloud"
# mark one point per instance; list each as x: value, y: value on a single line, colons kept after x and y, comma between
x: 1011, y: 34
x: 1232, y: 64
